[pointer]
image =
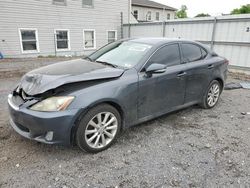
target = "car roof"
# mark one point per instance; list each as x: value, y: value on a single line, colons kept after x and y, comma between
x: 158, y: 40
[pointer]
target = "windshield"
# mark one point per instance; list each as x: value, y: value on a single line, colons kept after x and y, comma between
x: 123, y: 54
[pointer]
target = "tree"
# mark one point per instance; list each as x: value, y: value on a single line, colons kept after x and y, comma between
x: 245, y: 9
x: 202, y: 15
x: 182, y: 13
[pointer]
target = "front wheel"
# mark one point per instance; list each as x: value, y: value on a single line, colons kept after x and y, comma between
x: 98, y: 128
x: 211, y: 97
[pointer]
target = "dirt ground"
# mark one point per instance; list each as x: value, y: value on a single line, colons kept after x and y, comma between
x: 189, y: 148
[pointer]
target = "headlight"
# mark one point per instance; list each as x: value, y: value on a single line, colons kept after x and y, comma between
x: 53, y: 104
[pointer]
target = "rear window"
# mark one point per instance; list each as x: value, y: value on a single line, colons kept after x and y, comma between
x: 192, y: 52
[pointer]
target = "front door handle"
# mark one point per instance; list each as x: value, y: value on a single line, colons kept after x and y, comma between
x: 182, y: 73
x: 210, y: 66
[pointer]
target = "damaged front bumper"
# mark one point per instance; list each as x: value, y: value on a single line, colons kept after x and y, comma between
x: 45, y: 127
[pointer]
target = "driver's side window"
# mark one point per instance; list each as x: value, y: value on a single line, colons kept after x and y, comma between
x: 168, y: 55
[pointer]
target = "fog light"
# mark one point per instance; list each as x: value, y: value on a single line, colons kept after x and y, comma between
x: 49, y: 136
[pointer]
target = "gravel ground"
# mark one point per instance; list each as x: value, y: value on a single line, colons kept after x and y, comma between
x: 189, y: 148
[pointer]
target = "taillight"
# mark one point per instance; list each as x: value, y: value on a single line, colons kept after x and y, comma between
x: 226, y: 61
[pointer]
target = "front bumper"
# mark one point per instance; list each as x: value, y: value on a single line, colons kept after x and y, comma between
x: 45, y: 127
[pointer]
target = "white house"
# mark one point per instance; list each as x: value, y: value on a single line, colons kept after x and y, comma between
x: 149, y: 11
x: 59, y: 27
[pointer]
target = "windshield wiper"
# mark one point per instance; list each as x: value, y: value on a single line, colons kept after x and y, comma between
x: 106, y: 63
x: 88, y: 58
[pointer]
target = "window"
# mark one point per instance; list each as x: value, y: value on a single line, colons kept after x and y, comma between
x: 59, y: 2
x: 136, y: 14
x: 192, y: 52
x: 148, y: 16
x: 157, y: 16
x: 168, y: 16
x: 203, y: 53
x: 29, y: 40
x: 112, y: 36
x: 89, y: 39
x: 62, y: 40
x: 168, y: 55
x: 87, y: 3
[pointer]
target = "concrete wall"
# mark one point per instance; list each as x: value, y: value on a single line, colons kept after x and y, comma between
x: 229, y: 36
x: 45, y: 16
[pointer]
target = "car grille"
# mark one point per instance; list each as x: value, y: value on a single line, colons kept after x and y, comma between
x: 25, y: 129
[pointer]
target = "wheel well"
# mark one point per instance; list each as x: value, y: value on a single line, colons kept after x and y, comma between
x: 221, y: 82
x: 115, y: 105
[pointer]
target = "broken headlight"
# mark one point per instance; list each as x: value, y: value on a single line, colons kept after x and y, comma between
x: 53, y: 104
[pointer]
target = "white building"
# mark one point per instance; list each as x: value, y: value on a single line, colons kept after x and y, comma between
x: 149, y: 11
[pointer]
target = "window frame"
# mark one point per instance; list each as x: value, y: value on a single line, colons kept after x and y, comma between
x: 60, y: 3
x: 137, y: 14
x: 157, y: 13
x: 92, y: 48
x: 88, y: 6
x: 55, y: 38
x: 149, y: 15
x: 185, y: 60
x: 142, y: 68
x: 108, y: 35
x: 168, y: 16
x: 21, y: 40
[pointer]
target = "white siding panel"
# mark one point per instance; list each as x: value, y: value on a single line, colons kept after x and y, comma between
x: 237, y: 55
x: 191, y: 31
x: 46, y: 17
x: 144, y: 31
x: 232, y: 31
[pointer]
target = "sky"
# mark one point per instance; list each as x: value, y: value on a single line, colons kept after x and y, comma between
x: 212, y: 7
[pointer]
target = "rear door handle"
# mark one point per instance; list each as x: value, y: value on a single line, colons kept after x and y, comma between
x: 210, y: 66
x: 182, y: 73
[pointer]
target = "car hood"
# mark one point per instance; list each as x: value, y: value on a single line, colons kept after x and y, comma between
x: 49, y: 77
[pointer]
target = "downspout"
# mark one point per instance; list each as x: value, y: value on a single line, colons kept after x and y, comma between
x: 129, y: 10
x: 213, y: 34
x: 122, y: 25
x: 55, y: 43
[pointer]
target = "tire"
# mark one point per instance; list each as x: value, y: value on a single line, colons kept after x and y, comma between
x: 92, y: 135
x: 210, y: 103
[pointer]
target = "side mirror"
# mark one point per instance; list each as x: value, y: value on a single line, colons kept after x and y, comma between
x: 156, y: 68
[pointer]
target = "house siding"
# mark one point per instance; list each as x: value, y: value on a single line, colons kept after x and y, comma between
x: 142, y: 12
x: 45, y: 16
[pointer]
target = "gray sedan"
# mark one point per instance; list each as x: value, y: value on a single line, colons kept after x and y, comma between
x: 89, y: 101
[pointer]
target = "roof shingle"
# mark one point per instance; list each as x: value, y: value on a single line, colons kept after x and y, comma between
x: 151, y: 4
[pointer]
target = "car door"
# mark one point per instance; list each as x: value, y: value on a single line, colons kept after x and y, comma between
x: 160, y: 93
x: 198, y: 71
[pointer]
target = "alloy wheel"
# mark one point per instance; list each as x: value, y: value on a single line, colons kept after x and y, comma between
x: 101, y: 130
x: 213, y: 94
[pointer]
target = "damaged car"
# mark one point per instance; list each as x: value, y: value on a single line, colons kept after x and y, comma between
x: 89, y: 101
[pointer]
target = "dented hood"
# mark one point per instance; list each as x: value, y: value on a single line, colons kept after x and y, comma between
x: 49, y: 77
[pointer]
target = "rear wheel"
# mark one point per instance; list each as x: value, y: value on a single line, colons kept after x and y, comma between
x: 211, y: 97
x: 98, y: 129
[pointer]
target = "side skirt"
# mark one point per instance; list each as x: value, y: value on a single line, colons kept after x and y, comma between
x: 150, y: 117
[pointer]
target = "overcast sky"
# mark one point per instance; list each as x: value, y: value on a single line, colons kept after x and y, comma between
x: 212, y: 7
